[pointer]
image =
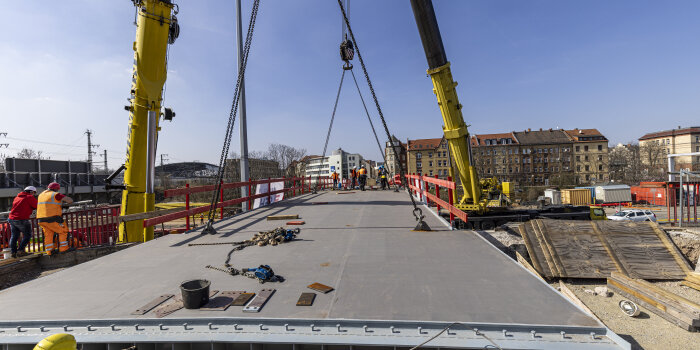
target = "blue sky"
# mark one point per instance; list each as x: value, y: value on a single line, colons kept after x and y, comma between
x: 624, y: 67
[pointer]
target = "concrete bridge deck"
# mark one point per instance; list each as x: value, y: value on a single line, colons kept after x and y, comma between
x: 393, y: 286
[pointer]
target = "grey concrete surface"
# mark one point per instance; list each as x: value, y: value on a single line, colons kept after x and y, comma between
x: 361, y: 244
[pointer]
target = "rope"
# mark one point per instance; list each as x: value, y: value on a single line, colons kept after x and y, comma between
x: 232, y: 118
x: 328, y: 135
x: 417, y: 212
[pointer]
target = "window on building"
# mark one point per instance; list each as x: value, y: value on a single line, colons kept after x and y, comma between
x: 588, y: 177
x: 600, y: 158
x: 431, y: 173
x: 419, y: 165
x: 545, y: 150
x: 488, y: 152
x: 430, y: 154
x: 578, y: 168
x: 578, y: 148
x: 585, y: 158
x: 585, y: 148
x: 600, y: 167
x: 588, y: 167
x: 524, y: 151
x: 419, y: 155
x: 600, y: 147
x: 430, y: 163
x: 578, y: 158
x: 488, y: 171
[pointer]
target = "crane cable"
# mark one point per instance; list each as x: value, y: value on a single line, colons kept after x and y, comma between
x: 231, y: 120
x: 417, y: 212
x: 328, y: 135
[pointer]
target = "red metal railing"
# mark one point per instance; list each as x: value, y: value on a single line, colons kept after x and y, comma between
x: 294, y: 185
x: 688, y: 198
x: 416, y: 184
x: 88, y: 227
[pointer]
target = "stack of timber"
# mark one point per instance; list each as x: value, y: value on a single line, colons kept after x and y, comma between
x: 595, y: 249
x: 692, y: 280
x: 672, y: 307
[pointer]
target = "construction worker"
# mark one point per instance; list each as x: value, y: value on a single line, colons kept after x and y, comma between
x: 22, y: 207
x: 363, y: 177
x: 383, y: 177
x: 353, y: 175
x: 334, y: 176
x: 50, y: 216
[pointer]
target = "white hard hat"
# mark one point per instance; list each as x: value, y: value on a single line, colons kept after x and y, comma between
x: 30, y: 188
x: 355, y: 167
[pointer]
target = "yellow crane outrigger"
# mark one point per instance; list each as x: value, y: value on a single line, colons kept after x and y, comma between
x: 156, y: 28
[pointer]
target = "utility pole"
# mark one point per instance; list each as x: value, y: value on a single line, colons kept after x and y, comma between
x: 162, y: 160
x: 3, y: 155
x: 245, y: 176
x: 105, y: 159
x: 90, y: 146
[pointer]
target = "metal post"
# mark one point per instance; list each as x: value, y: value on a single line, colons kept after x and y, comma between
x: 450, y: 200
x: 437, y: 194
x: 250, y: 203
x: 187, y: 207
x: 680, y: 223
x: 245, y: 176
x: 151, y: 142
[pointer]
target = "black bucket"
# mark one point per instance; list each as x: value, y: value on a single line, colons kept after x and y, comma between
x: 195, y: 293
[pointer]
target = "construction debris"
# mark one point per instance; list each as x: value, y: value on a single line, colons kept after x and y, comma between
x: 674, y: 308
x: 296, y: 222
x: 603, y: 291
x: 594, y: 249
x: 320, y: 287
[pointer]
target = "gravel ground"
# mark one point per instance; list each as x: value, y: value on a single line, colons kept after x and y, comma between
x: 646, y: 331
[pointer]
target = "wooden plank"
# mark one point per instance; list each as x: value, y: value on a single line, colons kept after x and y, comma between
x: 670, y: 306
x: 546, y: 250
x: 608, y: 249
x: 527, y: 265
x: 671, y: 247
x: 569, y: 294
x: 282, y: 217
x: 550, y: 247
x: 533, y: 248
x: 691, y: 284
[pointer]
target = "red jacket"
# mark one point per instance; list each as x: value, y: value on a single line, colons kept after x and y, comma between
x: 22, y: 206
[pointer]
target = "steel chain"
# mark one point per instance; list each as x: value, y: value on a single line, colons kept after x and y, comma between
x: 232, y: 114
x: 419, y: 216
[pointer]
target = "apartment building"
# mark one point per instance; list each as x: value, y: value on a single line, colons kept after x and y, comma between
x: 428, y: 157
x: 497, y: 155
x: 676, y: 141
x: 591, y: 160
x: 391, y: 163
x: 339, y: 161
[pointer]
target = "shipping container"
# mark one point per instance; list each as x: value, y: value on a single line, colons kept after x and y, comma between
x: 592, y: 189
x: 653, y: 193
x: 613, y: 194
x: 554, y: 195
x: 576, y: 196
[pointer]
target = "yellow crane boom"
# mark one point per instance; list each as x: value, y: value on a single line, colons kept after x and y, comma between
x: 156, y: 29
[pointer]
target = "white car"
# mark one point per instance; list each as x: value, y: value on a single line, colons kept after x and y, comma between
x: 633, y: 215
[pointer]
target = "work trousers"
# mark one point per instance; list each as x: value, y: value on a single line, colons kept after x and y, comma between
x: 18, y: 227
x: 385, y: 183
x: 363, y: 181
x: 51, y: 245
x: 354, y: 183
x: 335, y: 183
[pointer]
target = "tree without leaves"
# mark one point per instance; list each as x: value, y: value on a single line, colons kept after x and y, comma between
x: 28, y: 153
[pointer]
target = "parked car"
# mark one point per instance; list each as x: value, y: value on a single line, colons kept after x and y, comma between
x: 633, y: 215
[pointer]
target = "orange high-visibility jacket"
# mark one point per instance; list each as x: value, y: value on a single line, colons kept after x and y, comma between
x: 353, y: 173
x: 48, y: 206
x: 363, y: 171
x: 334, y: 176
